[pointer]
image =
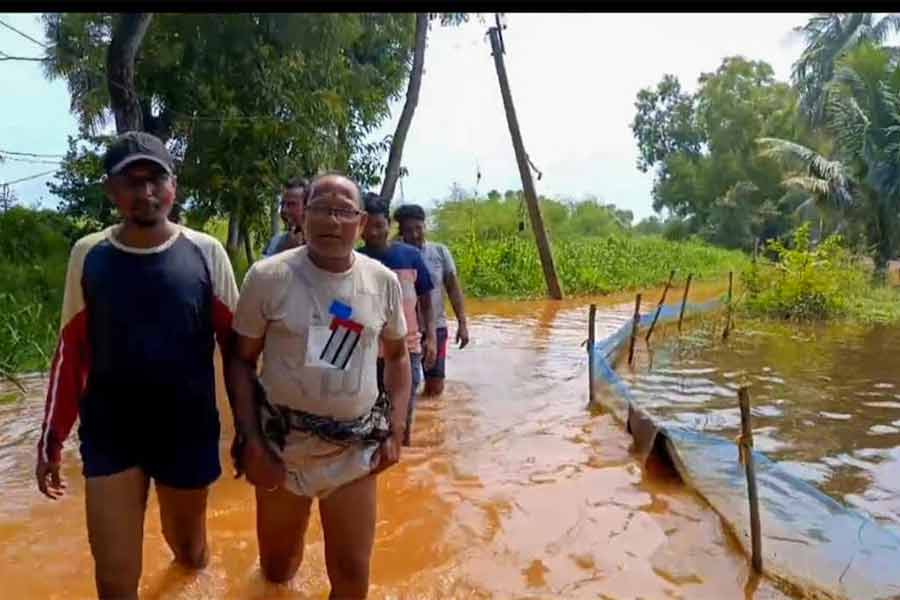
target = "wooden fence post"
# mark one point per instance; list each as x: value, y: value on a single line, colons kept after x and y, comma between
x: 687, y: 288
x: 634, y: 327
x: 659, y: 306
x: 592, y: 316
x: 728, y: 308
x: 745, y: 448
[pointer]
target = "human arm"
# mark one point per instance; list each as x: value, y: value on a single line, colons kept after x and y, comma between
x: 397, y: 383
x: 397, y: 376
x: 454, y: 292
x: 68, y: 377
x: 249, y: 450
x: 425, y: 311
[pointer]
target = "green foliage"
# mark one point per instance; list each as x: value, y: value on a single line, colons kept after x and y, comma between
x: 78, y: 184
x: 34, y: 248
x: 805, y: 283
x: 594, y: 249
x: 702, y: 147
x: 510, y: 267
x: 245, y: 100
x: 496, y: 217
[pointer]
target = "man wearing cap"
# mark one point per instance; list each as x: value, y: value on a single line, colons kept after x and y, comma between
x: 144, y: 302
x: 313, y: 424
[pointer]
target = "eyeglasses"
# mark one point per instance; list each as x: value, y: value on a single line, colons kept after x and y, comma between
x: 343, y: 215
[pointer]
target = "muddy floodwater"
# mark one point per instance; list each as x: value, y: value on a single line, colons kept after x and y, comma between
x: 826, y: 401
x: 511, y: 489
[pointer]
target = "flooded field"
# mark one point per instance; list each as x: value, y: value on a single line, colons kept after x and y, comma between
x: 512, y: 490
x: 826, y: 401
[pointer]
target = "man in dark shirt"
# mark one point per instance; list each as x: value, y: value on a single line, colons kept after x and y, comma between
x: 415, y: 282
x: 144, y: 302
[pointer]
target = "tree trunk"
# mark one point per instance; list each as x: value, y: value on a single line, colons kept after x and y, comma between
x: 275, y: 216
x: 232, y: 244
x: 123, y: 48
x: 392, y: 171
x: 248, y: 247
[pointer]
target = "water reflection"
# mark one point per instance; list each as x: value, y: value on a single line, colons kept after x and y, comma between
x: 826, y: 401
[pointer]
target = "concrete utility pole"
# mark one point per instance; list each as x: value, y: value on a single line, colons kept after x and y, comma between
x: 534, y: 211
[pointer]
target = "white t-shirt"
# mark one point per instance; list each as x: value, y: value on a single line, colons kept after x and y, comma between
x: 321, y: 330
x: 440, y: 265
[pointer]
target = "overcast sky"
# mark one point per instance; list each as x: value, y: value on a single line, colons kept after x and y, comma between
x: 574, y: 78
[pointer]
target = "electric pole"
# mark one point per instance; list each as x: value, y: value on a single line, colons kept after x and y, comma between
x: 534, y: 212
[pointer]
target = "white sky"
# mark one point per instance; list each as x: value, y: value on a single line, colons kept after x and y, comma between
x: 574, y: 79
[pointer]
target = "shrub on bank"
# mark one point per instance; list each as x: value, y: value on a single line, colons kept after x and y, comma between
x: 826, y: 282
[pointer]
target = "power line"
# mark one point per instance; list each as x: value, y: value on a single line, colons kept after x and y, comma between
x: 24, y: 35
x: 30, y: 160
x: 2, y: 151
x: 35, y: 176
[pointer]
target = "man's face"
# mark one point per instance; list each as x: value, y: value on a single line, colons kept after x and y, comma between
x: 375, y: 233
x: 332, y: 219
x: 144, y: 193
x: 413, y: 232
x: 292, y: 207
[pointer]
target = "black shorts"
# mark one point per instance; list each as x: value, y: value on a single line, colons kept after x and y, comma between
x: 181, y: 451
x: 438, y: 370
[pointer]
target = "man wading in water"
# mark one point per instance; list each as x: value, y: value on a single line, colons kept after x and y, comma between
x: 411, y: 221
x: 415, y: 282
x: 142, y: 303
x: 314, y: 424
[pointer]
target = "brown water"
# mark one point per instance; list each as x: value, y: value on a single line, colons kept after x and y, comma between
x: 826, y: 401
x: 512, y: 490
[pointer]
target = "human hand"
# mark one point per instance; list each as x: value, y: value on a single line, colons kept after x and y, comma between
x: 462, y: 335
x: 263, y: 468
x: 388, y: 454
x: 49, y: 480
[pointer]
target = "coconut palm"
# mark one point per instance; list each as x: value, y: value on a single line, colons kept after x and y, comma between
x: 829, y: 37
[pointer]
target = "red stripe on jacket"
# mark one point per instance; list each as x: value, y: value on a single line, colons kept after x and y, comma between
x: 68, y: 378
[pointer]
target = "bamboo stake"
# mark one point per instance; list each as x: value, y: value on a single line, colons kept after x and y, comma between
x: 728, y: 308
x: 659, y: 306
x: 634, y: 327
x: 687, y: 287
x: 592, y: 315
x: 745, y: 447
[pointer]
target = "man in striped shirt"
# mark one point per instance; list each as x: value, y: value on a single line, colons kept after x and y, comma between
x: 143, y: 304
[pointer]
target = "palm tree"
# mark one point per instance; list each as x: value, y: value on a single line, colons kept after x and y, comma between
x: 829, y: 37
x: 827, y: 186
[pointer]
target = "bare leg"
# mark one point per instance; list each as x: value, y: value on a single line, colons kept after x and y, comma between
x: 115, y: 506
x: 348, y: 522
x: 281, y: 521
x: 183, y: 516
x: 433, y: 387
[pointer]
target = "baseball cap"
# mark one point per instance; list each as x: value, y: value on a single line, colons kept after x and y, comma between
x: 134, y: 146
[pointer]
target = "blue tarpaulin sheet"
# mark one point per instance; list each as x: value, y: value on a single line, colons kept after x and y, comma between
x: 809, y: 540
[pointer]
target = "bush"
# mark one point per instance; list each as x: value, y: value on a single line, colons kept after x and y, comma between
x: 804, y: 283
x: 34, y: 250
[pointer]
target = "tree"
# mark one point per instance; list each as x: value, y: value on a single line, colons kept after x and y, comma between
x: 126, y: 40
x: 861, y: 180
x: 829, y: 37
x: 709, y: 172
x: 393, y: 168
x: 247, y: 100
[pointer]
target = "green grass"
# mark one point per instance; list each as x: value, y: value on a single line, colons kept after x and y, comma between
x: 510, y: 267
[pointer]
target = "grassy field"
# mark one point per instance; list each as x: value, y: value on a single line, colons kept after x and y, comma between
x: 510, y: 267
